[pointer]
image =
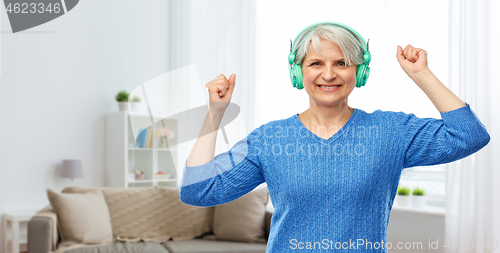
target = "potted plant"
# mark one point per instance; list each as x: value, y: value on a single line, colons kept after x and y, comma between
x: 122, y: 99
x: 403, y: 196
x: 418, y: 198
x: 136, y: 103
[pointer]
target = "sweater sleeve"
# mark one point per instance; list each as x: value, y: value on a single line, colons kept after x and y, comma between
x: 226, y: 177
x: 429, y: 141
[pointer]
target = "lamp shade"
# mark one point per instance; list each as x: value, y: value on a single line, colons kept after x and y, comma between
x: 72, y: 169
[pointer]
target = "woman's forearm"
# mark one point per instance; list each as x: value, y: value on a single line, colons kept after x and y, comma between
x: 442, y: 97
x: 204, y: 148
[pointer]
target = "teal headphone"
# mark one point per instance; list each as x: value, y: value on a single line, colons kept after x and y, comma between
x: 296, y: 70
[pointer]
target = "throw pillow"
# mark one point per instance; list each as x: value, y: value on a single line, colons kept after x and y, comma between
x: 243, y: 219
x: 82, y: 217
x: 152, y: 214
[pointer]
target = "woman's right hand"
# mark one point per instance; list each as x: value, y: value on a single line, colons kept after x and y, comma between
x: 220, y: 91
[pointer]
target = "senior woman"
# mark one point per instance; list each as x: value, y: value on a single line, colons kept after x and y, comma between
x: 333, y: 170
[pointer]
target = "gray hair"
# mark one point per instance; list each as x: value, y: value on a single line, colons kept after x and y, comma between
x: 349, y: 45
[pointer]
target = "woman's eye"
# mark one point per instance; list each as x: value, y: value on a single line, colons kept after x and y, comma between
x: 342, y: 64
x: 315, y: 64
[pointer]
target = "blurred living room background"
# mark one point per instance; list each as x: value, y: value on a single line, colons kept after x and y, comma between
x: 59, y: 82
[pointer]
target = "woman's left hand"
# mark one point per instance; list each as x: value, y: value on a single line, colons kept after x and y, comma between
x: 412, y: 60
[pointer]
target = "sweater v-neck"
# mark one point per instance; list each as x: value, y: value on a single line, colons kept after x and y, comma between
x: 337, y: 135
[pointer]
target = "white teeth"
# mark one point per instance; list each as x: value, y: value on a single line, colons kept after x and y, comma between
x: 329, y: 87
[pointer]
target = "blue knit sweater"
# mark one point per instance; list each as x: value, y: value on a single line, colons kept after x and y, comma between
x: 333, y: 194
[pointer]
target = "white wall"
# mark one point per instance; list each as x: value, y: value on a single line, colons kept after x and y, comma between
x: 57, y: 82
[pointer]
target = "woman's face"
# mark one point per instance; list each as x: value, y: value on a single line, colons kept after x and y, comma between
x: 327, y: 68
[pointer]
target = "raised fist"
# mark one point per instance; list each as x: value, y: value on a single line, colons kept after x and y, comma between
x: 412, y: 60
x: 220, y: 91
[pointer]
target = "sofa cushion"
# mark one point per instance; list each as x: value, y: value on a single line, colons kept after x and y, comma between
x: 243, y: 219
x: 202, y: 245
x: 119, y: 247
x: 153, y: 214
x: 82, y: 217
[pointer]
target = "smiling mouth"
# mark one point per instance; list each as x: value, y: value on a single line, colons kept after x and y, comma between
x: 328, y: 86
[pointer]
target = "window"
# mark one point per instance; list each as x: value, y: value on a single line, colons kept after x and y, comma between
x: 430, y: 178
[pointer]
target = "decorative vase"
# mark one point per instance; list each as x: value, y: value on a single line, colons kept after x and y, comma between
x: 417, y: 201
x: 123, y: 106
x: 403, y: 200
x: 135, y: 106
x: 162, y: 142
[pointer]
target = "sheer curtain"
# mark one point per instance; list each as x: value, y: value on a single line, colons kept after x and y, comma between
x: 217, y: 37
x: 473, y: 202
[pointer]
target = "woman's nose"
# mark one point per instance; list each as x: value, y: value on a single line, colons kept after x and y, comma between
x: 329, y: 73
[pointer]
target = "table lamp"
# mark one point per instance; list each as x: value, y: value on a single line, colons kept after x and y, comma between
x: 72, y: 169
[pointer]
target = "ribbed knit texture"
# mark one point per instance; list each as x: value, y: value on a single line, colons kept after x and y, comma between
x: 333, y: 194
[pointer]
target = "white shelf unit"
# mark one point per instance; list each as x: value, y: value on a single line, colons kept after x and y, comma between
x: 123, y: 156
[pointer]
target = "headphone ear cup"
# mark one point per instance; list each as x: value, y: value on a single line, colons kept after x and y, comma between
x: 362, y: 75
x: 296, y: 75
x: 367, y: 74
x: 293, y: 78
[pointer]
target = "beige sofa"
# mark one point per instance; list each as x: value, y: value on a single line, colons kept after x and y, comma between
x: 83, y: 219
